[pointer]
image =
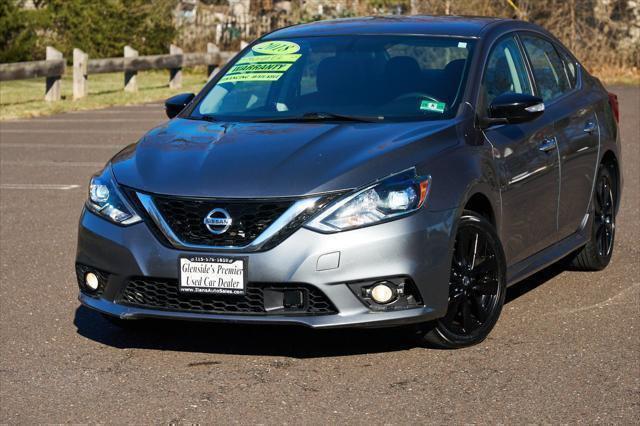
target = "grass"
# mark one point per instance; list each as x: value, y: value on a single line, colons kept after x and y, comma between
x: 25, y: 98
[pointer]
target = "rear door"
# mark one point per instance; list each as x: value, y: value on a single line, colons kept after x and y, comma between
x: 525, y: 156
x: 576, y: 127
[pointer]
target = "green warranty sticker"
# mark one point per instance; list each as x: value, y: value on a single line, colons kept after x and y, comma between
x: 258, y: 76
x: 246, y: 68
x: 433, y: 106
x: 276, y: 48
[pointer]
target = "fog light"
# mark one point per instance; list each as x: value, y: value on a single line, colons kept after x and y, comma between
x: 382, y: 293
x: 91, y: 281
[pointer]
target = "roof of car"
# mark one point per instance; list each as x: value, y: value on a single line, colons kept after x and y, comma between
x: 461, y: 26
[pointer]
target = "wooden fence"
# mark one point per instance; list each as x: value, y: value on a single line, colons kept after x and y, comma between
x: 54, y: 67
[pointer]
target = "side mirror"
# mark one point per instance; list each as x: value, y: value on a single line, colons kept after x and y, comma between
x: 175, y: 104
x: 513, y: 108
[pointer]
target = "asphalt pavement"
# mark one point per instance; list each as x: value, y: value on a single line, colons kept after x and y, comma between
x: 566, y: 349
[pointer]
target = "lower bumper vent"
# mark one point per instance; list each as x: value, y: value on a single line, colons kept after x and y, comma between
x: 259, y: 299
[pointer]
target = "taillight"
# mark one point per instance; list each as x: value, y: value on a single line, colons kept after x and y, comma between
x: 613, y: 101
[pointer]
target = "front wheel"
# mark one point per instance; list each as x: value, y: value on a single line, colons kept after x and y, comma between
x: 477, y: 286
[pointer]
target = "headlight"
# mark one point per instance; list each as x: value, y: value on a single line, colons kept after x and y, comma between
x: 106, y: 200
x: 396, y: 196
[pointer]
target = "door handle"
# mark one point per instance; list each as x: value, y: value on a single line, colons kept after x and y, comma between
x: 590, y: 127
x: 548, y: 144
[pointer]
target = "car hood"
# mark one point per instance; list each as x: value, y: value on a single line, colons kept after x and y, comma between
x: 220, y: 159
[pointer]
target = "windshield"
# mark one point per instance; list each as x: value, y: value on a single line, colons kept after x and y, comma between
x: 368, y: 78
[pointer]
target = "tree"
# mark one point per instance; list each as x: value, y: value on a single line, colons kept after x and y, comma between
x: 101, y: 29
x: 18, y: 38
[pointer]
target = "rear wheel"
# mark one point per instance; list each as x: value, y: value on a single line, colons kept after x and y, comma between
x: 596, y: 254
x: 477, y: 286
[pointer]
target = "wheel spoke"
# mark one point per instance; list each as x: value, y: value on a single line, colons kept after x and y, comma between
x: 609, y: 204
x: 454, y: 307
x: 599, y: 201
x: 464, y: 247
x: 601, y: 238
x: 607, y: 241
x: 479, y: 309
x: 487, y: 286
x: 466, y: 315
x: 603, y: 195
x: 475, y: 251
x: 486, y: 266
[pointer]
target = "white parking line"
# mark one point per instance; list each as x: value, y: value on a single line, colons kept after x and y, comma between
x: 82, y: 120
x: 37, y: 186
x: 51, y: 163
x: 74, y: 131
x: 61, y: 145
x: 120, y: 111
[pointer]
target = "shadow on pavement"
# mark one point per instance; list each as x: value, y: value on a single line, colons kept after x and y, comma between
x: 290, y: 341
x: 535, y: 281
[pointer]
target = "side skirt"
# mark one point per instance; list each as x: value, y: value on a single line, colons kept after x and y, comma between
x: 544, y: 258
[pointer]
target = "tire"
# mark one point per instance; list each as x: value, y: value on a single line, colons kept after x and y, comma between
x: 596, y: 254
x: 477, y: 287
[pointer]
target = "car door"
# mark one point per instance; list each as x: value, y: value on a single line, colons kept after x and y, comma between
x: 525, y: 156
x: 576, y: 127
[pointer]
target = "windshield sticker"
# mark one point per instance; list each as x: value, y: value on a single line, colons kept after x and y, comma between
x: 433, y: 106
x: 462, y: 45
x: 267, y: 62
x: 247, y: 68
x: 258, y: 76
x: 276, y: 47
x: 269, y: 58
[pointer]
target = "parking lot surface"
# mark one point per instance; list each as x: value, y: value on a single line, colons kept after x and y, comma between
x: 566, y: 349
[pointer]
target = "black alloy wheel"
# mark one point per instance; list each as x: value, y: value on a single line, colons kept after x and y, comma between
x: 604, y: 216
x: 477, y: 286
x: 596, y: 254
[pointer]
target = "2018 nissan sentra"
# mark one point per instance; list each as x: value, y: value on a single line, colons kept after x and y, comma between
x: 360, y: 172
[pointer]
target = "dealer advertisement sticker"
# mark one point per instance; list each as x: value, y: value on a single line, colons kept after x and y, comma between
x: 213, y: 274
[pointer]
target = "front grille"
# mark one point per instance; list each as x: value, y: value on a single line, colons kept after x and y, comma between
x: 158, y: 293
x: 186, y: 216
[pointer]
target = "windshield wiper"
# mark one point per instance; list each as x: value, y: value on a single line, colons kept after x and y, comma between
x: 208, y: 117
x: 323, y: 116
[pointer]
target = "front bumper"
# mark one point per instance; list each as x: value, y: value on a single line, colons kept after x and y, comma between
x: 417, y: 246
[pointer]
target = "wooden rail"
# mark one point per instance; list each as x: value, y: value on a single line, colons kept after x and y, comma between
x: 55, y: 66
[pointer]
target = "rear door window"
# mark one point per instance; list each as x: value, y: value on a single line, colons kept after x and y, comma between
x: 548, y: 69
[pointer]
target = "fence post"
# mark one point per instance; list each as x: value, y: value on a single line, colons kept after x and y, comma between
x: 212, y: 68
x: 52, y: 91
x: 130, y: 80
x: 175, y: 74
x: 80, y: 61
